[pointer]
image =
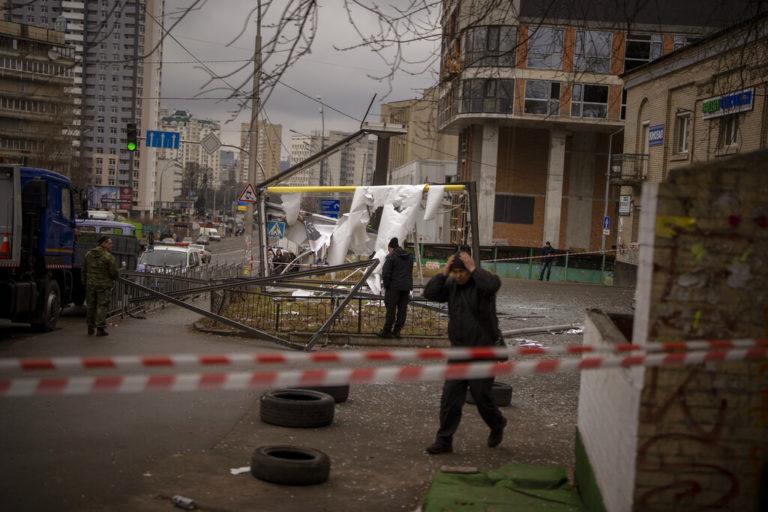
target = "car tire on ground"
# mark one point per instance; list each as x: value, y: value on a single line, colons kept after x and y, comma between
x: 501, y: 394
x: 290, y: 465
x: 302, y: 408
x: 339, y: 393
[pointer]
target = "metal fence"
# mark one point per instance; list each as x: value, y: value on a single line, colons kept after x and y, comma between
x: 127, y: 299
x: 281, y: 312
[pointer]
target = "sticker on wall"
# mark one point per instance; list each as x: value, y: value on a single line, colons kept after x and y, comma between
x: 666, y: 227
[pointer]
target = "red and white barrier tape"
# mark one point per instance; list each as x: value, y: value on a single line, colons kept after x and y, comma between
x: 552, y: 256
x: 185, y: 360
x: 298, y: 378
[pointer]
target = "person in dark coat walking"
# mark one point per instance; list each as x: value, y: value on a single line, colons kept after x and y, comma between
x: 397, y: 281
x: 472, y: 322
x: 98, y: 273
x: 546, y: 261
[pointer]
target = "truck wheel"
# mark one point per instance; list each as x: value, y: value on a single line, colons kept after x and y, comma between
x: 301, y: 408
x: 290, y: 465
x: 51, y: 307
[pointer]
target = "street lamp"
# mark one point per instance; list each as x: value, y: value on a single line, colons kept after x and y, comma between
x: 162, y: 177
x: 322, y: 142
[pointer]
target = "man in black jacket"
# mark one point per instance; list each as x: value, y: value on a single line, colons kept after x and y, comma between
x: 546, y: 261
x: 397, y: 281
x: 472, y: 322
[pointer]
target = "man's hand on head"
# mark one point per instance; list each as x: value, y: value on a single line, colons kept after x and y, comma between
x: 447, y: 268
x: 468, y: 261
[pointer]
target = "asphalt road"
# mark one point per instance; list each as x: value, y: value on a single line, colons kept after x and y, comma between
x: 134, y: 451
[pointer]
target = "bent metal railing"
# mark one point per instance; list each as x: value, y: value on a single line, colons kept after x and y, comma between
x: 262, y: 307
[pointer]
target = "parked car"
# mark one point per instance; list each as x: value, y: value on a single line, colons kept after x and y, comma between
x: 165, y: 258
x: 203, y: 240
x: 205, y: 256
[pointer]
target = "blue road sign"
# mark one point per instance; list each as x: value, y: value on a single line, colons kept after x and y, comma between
x: 167, y: 140
x: 606, y: 222
x: 330, y: 207
x: 276, y: 230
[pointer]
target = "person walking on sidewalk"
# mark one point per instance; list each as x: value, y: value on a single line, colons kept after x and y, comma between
x: 546, y: 261
x: 472, y: 322
x: 397, y: 281
x: 98, y: 273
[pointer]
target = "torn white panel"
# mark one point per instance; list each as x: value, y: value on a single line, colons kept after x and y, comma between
x: 296, y: 233
x: 319, y: 235
x: 434, y: 200
x: 291, y: 206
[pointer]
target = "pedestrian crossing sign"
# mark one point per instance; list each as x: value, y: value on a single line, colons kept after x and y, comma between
x: 276, y: 230
x: 248, y: 195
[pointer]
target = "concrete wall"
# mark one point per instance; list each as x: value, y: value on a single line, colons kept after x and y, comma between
x: 607, y: 419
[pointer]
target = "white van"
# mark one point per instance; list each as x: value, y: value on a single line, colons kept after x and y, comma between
x: 167, y: 258
x: 212, y: 234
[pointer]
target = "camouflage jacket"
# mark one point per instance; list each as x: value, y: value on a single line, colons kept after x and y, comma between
x: 99, y: 268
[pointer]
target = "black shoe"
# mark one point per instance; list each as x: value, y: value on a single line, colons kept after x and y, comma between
x: 496, y: 435
x: 90, y: 330
x: 101, y: 332
x: 439, y: 447
x: 396, y: 334
x: 384, y: 334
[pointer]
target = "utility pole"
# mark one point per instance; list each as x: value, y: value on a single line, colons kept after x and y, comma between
x: 254, y: 143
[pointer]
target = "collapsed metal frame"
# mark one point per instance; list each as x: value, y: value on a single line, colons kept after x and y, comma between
x: 369, y: 266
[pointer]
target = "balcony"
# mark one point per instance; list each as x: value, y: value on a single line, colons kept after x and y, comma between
x: 629, y: 169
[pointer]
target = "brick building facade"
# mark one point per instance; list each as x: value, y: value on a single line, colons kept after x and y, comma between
x: 703, y: 102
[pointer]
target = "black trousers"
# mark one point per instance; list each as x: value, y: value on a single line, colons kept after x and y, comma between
x: 452, y: 401
x: 545, y: 265
x: 397, y: 308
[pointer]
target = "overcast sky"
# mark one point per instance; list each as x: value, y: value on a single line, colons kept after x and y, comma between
x: 339, y: 78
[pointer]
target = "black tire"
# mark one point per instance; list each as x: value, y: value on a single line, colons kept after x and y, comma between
x: 290, y: 465
x: 500, y: 392
x: 302, y: 408
x: 50, y: 308
x: 339, y: 393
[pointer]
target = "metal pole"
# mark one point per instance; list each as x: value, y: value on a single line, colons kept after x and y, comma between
x: 475, y: 229
x: 254, y: 137
x: 323, y: 167
x: 607, y: 185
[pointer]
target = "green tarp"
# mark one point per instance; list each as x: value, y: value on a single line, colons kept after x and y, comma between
x: 512, y: 487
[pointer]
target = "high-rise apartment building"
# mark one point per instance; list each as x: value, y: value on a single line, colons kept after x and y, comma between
x: 191, y: 131
x: 351, y: 165
x: 533, y: 91
x: 36, y: 107
x: 118, y: 55
x: 268, y: 154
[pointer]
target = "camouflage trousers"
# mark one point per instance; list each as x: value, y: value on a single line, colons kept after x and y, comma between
x: 98, y: 300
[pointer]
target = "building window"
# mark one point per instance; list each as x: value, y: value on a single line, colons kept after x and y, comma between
x: 542, y: 97
x: 589, y: 101
x: 624, y: 104
x: 490, y: 46
x: 683, y: 41
x: 593, y: 51
x: 729, y: 130
x: 514, y: 209
x: 641, y: 48
x: 682, y: 130
x: 545, y: 48
x: 490, y: 95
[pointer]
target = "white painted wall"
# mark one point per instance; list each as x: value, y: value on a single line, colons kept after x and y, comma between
x: 609, y: 402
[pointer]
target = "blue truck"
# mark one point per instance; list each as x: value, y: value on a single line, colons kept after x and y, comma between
x: 37, y: 226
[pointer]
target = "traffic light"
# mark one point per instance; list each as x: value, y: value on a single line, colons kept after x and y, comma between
x: 132, y: 142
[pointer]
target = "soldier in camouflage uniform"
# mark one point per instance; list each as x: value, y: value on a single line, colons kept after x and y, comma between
x: 98, y: 273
